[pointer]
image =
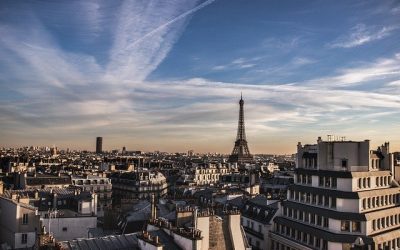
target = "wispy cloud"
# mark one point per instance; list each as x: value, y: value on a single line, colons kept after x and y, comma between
x: 360, y: 35
x: 394, y: 83
x: 238, y: 63
x: 282, y: 44
x: 395, y: 10
x: 145, y: 35
x: 69, y: 88
x: 380, y: 69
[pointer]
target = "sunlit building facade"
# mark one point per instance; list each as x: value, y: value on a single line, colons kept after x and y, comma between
x: 344, y: 197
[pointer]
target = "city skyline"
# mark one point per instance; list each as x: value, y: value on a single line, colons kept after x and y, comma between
x: 154, y: 75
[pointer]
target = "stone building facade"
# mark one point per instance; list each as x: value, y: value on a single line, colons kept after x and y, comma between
x: 344, y: 197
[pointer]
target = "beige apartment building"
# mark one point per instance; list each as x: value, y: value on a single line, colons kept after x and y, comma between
x: 344, y: 197
x: 19, y: 223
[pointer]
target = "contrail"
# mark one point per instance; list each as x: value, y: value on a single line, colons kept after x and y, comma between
x: 200, y: 6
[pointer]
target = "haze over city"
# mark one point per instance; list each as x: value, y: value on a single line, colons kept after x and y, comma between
x: 167, y: 75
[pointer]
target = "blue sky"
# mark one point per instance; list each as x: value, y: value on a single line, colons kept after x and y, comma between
x: 167, y: 75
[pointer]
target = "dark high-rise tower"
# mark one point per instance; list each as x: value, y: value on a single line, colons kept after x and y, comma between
x: 99, y: 145
x: 241, y: 152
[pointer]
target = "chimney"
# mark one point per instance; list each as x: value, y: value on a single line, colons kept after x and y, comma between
x: 153, y: 207
x: 14, y: 196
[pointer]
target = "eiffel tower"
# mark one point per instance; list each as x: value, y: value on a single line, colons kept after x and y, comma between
x: 241, y: 152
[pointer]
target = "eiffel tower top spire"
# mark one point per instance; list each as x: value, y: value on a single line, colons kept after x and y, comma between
x: 241, y: 152
x: 241, y: 134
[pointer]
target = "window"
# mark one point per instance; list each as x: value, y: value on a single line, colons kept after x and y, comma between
x: 321, y: 181
x: 302, y: 197
x: 324, y: 245
x: 333, y: 202
x: 312, y: 218
x: 344, y: 163
x: 345, y: 226
x: 319, y: 220
x: 317, y: 242
x: 334, y: 182
x: 309, y: 179
x: 320, y: 199
x: 308, y: 197
x: 305, y: 237
x: 307, y: 217
x: 259, y: 228
x: 25, y: 219
x: 355, y: 226
x: 65, y: 229
x: 326, y: 222
x: 24, y: 238
x: 326, y: 201
x: 327, y: 182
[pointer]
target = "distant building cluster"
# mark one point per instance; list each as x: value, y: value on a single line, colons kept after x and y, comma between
x: 334, y: 194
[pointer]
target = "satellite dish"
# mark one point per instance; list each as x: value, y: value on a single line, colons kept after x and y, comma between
x: 359, y: 241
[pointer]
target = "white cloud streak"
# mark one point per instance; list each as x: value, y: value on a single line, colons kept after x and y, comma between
x: 360, y: 35
x: 381, y: 69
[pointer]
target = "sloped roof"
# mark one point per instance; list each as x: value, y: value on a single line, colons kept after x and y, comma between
x: 121, y: 242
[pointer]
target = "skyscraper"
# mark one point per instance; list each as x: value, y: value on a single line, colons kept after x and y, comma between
x: 99, y: 145
x: 241, y: 152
